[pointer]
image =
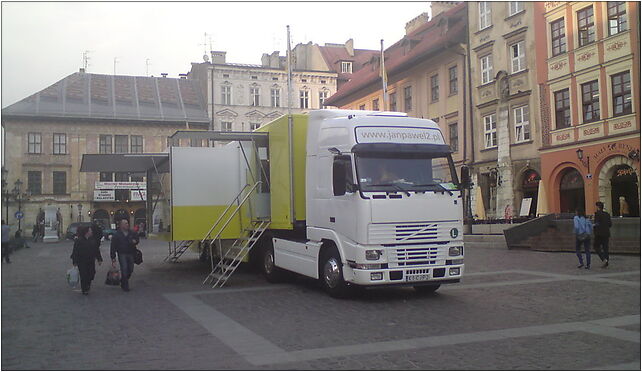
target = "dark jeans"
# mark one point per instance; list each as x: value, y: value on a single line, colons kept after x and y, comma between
x: 601, y: 246
x: 87, y: 272
x: 587, y: 250
x: 6, y: 251
x: 126, y: 269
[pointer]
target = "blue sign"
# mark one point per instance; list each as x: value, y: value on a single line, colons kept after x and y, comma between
x: 19, y: 215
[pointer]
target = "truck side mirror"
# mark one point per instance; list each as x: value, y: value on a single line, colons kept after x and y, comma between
x: 465, y: 176
x: 339, y: 177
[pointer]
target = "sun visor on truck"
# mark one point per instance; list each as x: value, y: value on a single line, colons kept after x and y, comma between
x: 402, y: 148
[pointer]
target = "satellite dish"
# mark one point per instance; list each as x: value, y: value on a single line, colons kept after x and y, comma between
x: 206, y: 58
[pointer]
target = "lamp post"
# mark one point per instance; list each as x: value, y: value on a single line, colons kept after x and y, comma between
x: 79, y: 212
x: 19, y: 197
x: 580, y: 156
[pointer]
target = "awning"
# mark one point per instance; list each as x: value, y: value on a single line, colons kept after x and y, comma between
x: 261, y: 138
x: 480, y: 210
x: 132, y: 163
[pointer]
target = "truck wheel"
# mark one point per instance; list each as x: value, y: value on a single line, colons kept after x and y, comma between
x: 425, y: 289
x: 331, y: 273
x: 271, y: 273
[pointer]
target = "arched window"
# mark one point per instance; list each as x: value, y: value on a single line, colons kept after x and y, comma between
x: 571, y: 191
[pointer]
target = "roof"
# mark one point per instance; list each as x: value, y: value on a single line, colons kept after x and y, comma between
x: 333, y: 55
x: 412, y: 49
x: 116, y: 97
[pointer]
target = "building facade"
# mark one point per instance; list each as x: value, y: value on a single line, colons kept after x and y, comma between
x: 589, y: 89
x: 426, y: 74
x: 505, y: 109
x: 47, y: 133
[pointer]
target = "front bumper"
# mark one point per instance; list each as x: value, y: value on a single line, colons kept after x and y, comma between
x: 406, y: 276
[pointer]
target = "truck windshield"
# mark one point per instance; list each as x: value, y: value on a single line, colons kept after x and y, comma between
x: 404, y: 172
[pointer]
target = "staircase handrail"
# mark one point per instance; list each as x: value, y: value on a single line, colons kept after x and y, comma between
x: 238, y: 207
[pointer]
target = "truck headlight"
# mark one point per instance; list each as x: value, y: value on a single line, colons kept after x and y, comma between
x: 456, y: 251
x: 373, y: 254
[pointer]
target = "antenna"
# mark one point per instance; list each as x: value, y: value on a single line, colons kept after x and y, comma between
x: 85, y: 59
x: 147, y: 63
x: 115, y: 61
x: 205, y: 56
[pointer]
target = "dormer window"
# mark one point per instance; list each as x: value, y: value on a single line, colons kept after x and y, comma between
x: 346, y: 67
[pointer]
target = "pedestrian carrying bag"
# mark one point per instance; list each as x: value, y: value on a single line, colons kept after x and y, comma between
x: 113, y: 277
x: 138, y: 257
x: 73, y: 277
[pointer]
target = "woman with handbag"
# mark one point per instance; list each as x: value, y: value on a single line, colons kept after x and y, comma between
x: 583, y: 228
x: 84, y: 256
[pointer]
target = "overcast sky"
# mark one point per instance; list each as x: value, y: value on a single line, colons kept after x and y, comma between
x: 43, y: 42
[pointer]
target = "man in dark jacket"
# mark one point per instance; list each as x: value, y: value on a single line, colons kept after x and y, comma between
x: 602, y: 231
x: 124, y: 243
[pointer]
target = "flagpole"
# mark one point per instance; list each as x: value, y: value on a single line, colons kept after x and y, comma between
x: 384, y: 79
x: 289, y: 66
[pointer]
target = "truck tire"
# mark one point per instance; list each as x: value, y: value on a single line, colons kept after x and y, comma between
x: 426, y: 289
x: 331, y: 273
x: 271, y: 273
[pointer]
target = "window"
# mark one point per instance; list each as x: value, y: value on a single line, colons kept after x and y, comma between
x: 375, y: 104
x: 304, y: 99
x: 393, y: 101
x: 452, y: 79
x: 136, y: 177
x: 558, y: 37
x: 59, y: 183
x: 120, y: 144
x: 226, y: 95
x: 105, y: 144
x: 323, y: 95
x: 591, y: 101
x: 617, y: 17
x: 562, y: 109
x: 621, y: 88
x: 484, y: 15
x: 522, y: 124
x: 137, y: 144
x: 276, y: 97
x: 515, y: 7
x: 518, y: 57
x: 407, y: 98
x: 490, y: 131
x: 434, y: 88
x: 254, y: 96
x: 346, y: 67
x: 585, y: 26
x: 254, y: 126
x: 454, y: 137
x: 226, y: 126
x: 487, y: 69
x: 106, y: 177
x: 34, y: 182
x: 362, y: 107
x: 59, y: 143
x: 34, y: 141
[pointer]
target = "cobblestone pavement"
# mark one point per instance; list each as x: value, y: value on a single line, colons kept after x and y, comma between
x: 514, y: 310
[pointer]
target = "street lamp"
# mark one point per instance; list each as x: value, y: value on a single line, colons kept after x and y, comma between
x: 580, y: 156
x: 79, y: 212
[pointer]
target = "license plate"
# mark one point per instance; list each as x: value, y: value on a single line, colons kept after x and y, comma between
x: 417, y: 277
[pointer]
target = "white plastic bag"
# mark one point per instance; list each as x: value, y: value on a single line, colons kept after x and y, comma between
x: 73, y: 277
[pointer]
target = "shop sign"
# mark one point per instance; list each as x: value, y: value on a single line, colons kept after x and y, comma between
x: 136, y: 195
x: 617, y: 148
x: 531, y: 180
x: 624, y: 172
x: 104, y: 195
x: 120, y: 185
x: 526, y: 206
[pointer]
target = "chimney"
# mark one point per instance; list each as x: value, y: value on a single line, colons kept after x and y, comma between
x: 417, y: 22
x: 164, y: 74
x: 183, y: 76
x: 350, y: 47
x: 82, y: 70
x: 218, y: 57
x: 438, y: 7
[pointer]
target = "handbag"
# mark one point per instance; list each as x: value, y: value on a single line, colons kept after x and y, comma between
x: 73, y: 277
x: 138, y: 257
x: 113, y: 277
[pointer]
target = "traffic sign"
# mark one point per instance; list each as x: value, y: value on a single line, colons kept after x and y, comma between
x: 19, y: 215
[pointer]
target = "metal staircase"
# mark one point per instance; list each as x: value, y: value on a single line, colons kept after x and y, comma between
x: 232, y: 256
x: 176, y: 250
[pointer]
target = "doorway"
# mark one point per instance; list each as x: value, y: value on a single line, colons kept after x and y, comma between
x: 571, y: 191
x: 624, y: 186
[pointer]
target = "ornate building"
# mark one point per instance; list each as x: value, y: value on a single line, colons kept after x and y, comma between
x: 589, y: 88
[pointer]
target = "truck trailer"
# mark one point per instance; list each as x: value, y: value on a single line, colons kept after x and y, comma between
x: 351, y: 198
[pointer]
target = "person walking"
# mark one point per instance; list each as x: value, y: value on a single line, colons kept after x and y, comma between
x: 123, y: 243
x: 6, y: 238
x: 602, y: 232
x: 582, y: 227
x: 84, y: 256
